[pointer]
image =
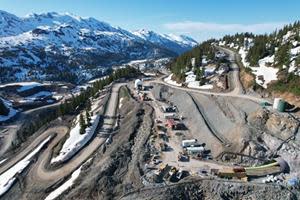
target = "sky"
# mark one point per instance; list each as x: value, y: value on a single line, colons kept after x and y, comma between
x: 200, y: 19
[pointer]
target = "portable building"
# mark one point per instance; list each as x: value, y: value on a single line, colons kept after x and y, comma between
x: 138, y: 84
x: 195, y: 150
x: 188, y: 143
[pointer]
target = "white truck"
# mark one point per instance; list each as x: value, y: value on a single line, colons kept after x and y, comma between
x: 169, y: 115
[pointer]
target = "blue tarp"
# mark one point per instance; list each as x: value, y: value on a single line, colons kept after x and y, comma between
x: 293, y: 182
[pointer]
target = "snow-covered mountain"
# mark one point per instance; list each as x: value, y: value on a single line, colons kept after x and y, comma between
x: 178, y: 44
x: 56, y: 46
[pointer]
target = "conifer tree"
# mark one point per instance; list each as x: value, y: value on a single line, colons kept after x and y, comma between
x: 88, y: 105
x: 82, y: 124
x: 282, y: 56
x: 62, y: 109
x: 88, y: 118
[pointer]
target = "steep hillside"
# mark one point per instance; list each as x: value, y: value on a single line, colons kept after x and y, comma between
x: 274, y: 59
x: 66, y: 47
x: 271, y: 61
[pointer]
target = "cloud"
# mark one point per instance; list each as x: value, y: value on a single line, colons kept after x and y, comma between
x: 194, y: 26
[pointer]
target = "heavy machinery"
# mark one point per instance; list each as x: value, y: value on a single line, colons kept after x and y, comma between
x: 163, y: 146
x: 183, y: 157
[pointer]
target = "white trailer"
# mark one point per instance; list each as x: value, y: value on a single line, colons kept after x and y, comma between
x: 188, y: 143
x: 195, y: 150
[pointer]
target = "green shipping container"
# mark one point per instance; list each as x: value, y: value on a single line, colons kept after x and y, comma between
x: 281, y: 106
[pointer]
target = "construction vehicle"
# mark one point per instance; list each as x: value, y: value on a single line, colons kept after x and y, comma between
x: 163, y: 146
x: 183, y: 157
x: 162, y: 172
x: 181, y: 174
x: 161, y: 168
x: 172, y: 174
x: 172, y: 171
x: 155, y: 160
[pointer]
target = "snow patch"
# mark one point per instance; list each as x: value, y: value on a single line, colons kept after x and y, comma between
x: 39, y: 95
x: 190, y: 79
x: 66, y: 185
x: 76, y: 140
x: 2, y: 161
x: 295, y: 51
x: 171, y: 82
x: 23, y: 85
x: 28, y: 85
x: 287, y: 35
x: 222, y: 43
x: 268, y: 73
x: 243, y: 54
x: 97, y: 79
x: 293, y: 68
x: 121, y: 102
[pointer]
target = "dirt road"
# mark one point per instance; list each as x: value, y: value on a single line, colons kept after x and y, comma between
x: 237, y: 92
x: 22, y: 117
x: 59, y: 131
x: 109, y: 117
x: 229, y: 94
x: 238, y: 88
x: 40, y: 173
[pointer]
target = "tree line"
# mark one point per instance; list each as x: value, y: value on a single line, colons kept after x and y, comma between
x: 268, y: 44
x: 82, y: 100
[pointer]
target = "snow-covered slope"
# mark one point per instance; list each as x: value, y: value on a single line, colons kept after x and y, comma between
x: 178, y: 44
x: 271, y: 58
x: 48, y: 45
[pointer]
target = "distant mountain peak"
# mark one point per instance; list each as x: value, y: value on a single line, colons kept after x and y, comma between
x: 178, y: 43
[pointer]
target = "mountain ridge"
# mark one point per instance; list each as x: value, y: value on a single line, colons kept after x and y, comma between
x: 40, y: 46
x: 179, y: 44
